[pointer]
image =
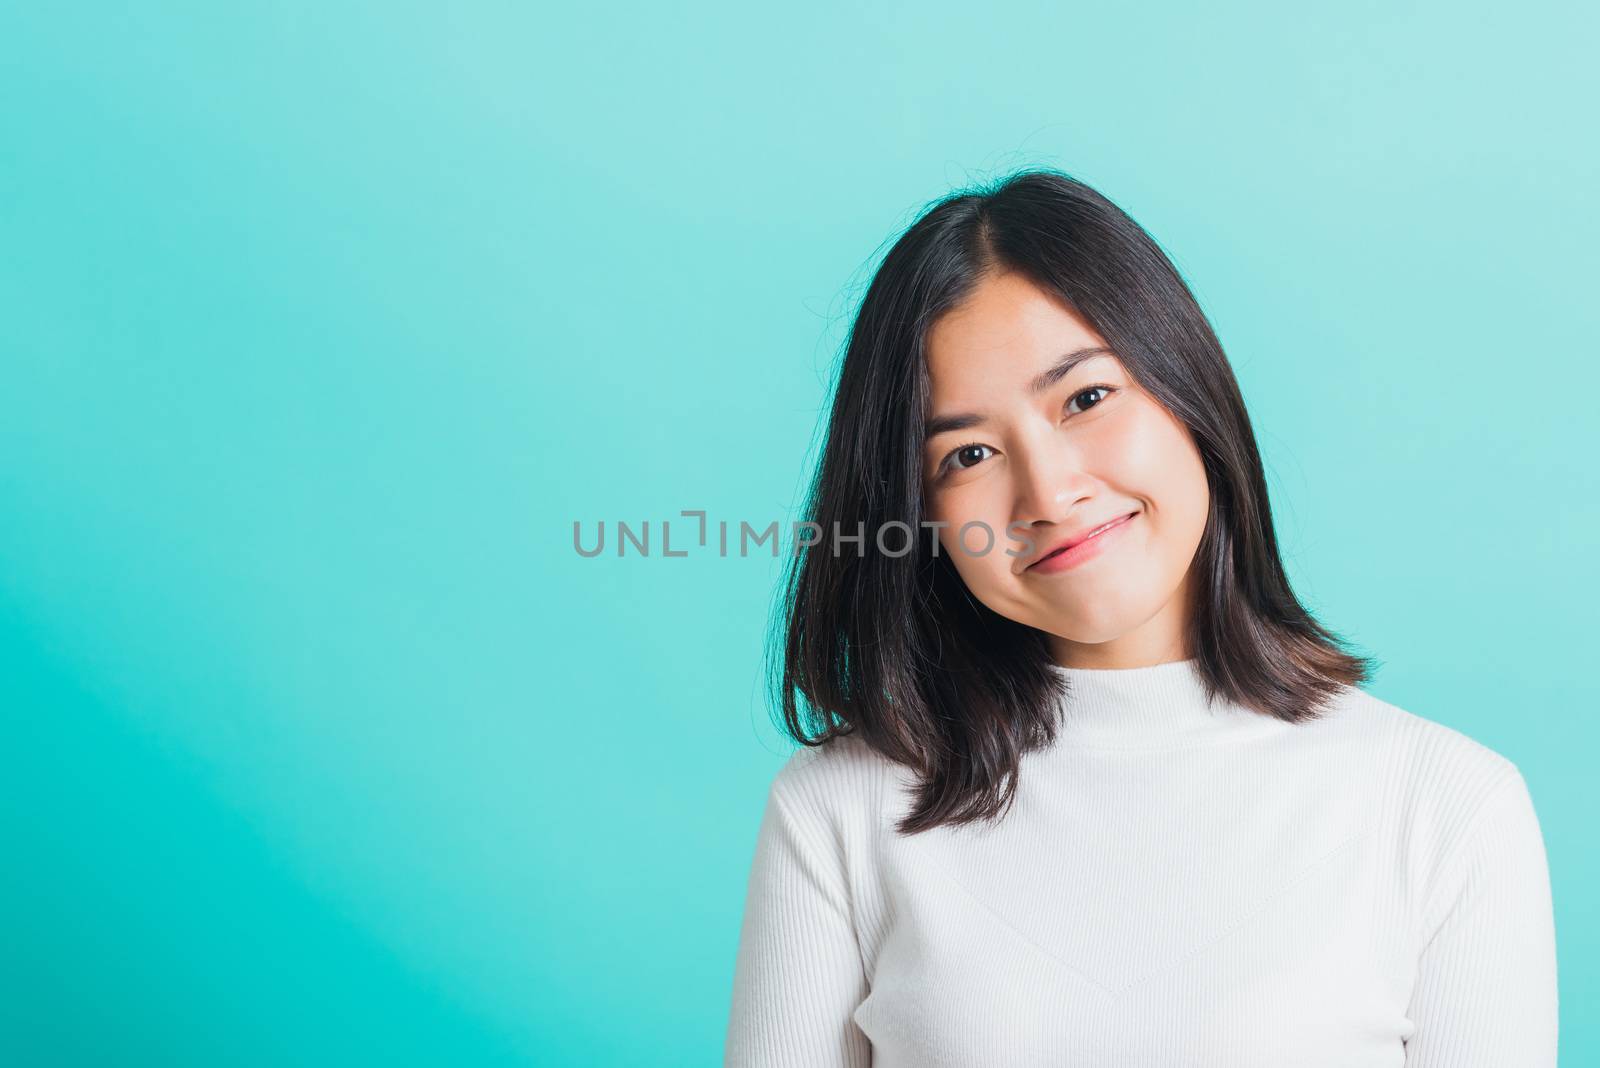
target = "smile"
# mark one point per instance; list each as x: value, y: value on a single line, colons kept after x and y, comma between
x: 1063, y: 559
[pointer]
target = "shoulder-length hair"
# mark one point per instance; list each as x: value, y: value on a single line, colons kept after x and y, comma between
x: 893, y: 648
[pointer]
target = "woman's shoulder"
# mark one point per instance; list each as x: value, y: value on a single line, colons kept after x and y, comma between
x: 1429, y: 741
x: 832, y: 795
x: 844, y: 768
x: 1444, y: 774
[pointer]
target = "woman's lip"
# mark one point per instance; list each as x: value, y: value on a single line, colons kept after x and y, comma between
x: 1062, y: 559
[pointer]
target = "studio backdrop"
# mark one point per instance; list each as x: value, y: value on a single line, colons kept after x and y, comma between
x: 330, y: 336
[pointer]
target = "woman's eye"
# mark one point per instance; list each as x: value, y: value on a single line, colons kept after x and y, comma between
x: 1087, y: 392
x: 966, y: 456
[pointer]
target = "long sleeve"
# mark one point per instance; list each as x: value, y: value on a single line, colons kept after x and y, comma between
x: 1486, y: 984
x: 798, y: 974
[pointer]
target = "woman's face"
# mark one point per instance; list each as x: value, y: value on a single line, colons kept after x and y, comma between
x: 1041, y: 450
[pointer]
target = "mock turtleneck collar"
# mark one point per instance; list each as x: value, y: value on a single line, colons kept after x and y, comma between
x: 1147, y: 705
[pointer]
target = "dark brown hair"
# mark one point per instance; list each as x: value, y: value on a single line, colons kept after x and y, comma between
x: 894, y: 649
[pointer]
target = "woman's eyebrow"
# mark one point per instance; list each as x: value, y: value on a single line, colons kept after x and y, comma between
x: 943, y: 424
x: 1063, y: 367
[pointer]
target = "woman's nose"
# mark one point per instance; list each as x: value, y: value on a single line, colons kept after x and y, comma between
x: 1049, y: 481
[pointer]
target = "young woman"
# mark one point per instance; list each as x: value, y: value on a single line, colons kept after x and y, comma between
x: 1082, y: 781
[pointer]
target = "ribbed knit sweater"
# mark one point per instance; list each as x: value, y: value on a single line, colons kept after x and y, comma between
x: 1176, y: 884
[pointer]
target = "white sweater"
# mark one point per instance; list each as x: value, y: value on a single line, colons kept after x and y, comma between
x: 1176, y: 885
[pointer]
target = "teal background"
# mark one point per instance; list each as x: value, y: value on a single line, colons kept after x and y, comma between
x: 321, y: 324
